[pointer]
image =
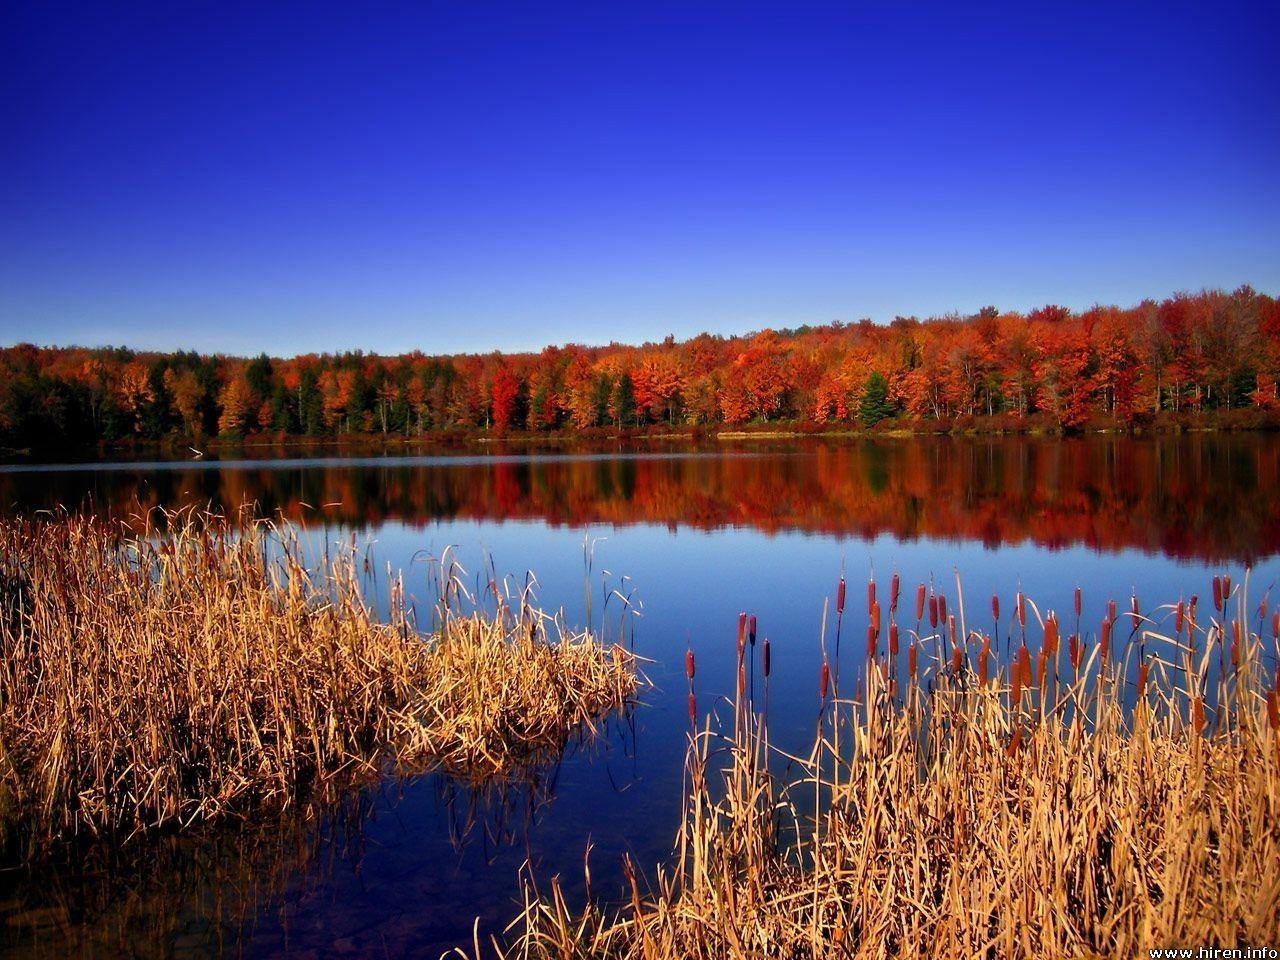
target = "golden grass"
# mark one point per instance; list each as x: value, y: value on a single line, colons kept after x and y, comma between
x: 157, y: 677
x: 944, y: 814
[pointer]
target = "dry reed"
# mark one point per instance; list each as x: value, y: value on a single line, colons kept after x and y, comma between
x: 1077, y: 813
x: 190, y: 666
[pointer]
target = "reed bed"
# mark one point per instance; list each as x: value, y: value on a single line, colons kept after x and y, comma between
x: 1114, y: 793
x: 187, y: 666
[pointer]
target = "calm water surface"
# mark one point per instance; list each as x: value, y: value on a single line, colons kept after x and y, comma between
x: 690, y: 538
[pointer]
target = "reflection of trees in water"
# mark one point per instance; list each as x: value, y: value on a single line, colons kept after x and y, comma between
x: 202, y: 893
x: 1203, y: 496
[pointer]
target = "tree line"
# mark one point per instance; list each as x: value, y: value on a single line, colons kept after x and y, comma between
x: 1053, y: 366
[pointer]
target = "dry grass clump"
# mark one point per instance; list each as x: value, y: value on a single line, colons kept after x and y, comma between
x: 154, y: 678
x: 1103, y: 803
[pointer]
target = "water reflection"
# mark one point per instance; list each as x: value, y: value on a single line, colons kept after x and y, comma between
x: 1202, y: 496
x: 266, y: 887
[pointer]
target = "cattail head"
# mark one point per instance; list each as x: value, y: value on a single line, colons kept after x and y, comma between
x: 875, y: 616
x: 983, y: 656
x: 933, y: 611
x: 894, y: 585
x: 1142, y: 679
x: 1178, y: 619
x: 871, y: 641
x: 1133, y: 608
x: 693, y: 708
x: 1015, y: 683
x: 1042, y: 666
x: 1226, y: 588
x: 742, y: 633
x: 1275, y: 625
x: 942, y: 607
x: 1197, y: 714
x: 911, y: 660
x: 1021, y: 607
x: 1078, y: 600
x: 1235, y: 643
x: 995, y: 608
x: 1051, y: 635
x: 1217, y: 594
x: 1104, y: 639
x: 1273, y: 710
x: 765, y: 657
x: 1075, y: 650
x: 919, y: 603
x: 1015, y: 743
x: 688, y: 663
x: 1262, y: 611
x: 840, y: 596
x: 742, y: 678
x: 951, y: 629
x: 871, y: 593
x: 751, y: 629
x: 893, y: 639
x: 957, y: 660
x: 824, y: 680
x: 1024, y: 665
x: 1111, y: 610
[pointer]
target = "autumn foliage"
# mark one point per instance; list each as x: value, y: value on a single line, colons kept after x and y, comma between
x: 1051, y: 368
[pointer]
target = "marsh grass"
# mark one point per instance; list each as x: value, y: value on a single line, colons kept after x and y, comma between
x: 1123, y: 795
x: 183, y: 667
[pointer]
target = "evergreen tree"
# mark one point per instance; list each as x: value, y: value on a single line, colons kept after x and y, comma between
x: 875, y: 404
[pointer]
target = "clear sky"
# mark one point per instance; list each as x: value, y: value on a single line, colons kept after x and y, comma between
x: 473, y: 176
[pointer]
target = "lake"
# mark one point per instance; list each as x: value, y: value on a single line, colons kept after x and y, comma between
x: 663, y: 549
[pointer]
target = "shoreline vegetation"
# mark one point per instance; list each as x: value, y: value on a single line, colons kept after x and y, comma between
x: 187, y: 668
x: 1210, y: 358
x: 1121, y: 794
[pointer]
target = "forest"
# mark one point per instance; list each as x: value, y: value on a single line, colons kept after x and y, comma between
x: 1051, y: 369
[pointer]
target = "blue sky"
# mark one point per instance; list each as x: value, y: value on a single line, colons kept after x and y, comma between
x: 459, y: 177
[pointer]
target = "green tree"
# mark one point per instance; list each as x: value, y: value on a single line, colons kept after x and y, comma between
x: 875, y: 404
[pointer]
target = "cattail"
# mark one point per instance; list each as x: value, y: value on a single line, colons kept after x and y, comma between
x: 1015, y: 743
x: 1273, y: 710
x: 1226, y: 588
x: 1262, y: 611
x: 742, y: 634
x: 824, y: 680
x: 1142, y: 679
x: 1021, y: 606
x: 893, y: 639
x: 1133, y: 610
x: 742, y: 678
x: 1111, y: 610
x: 1275, y: 625
x: 1015, y: 694
x: 942, y: 607
x: 1075, y: 647
x: 1051, y: 635
x: 1078, y: 599
x: 919, y: 603
x: 1235, y: 643
x: 894, y: 585
x: 995, y: 608
x: 983, y: 657
x: 765, y: 656
x: 1042, y: 666
x: 693, y: 709
x: 911, y: 659
x: 1197, y: 714
x: 751, y: 629
x: 688, y: 664
x: 933, y: 611
x: 957, y: 660
x: 951, y: 629
x: 1178, y: 620
x: 871, y: 641
x: 875, y: 616
x: 871, y: 593
x: 1217, y: 594
x: 1104, y: 639
x: 840, y: 596
x: 1024, y: 665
